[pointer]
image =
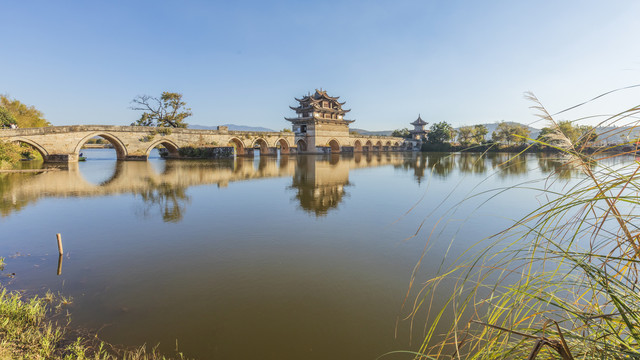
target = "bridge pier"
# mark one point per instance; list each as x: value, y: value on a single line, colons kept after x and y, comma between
x: 61, y: 158
x: 137, y: 157
x: 248, y: 152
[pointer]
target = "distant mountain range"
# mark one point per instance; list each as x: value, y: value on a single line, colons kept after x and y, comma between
x: 617, y: 135
x: 232, y: 127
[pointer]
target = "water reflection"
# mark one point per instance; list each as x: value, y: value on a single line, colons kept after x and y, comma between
x: 507, y: 164
x: 170, y: 201
x: 562, y: 166
x: 472, y: 163
x: 319, y: 185
x: 318, y: 182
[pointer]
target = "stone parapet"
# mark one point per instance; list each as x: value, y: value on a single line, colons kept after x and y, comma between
x: 64, y: 143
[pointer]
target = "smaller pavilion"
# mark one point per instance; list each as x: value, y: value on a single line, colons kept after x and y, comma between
x: 418, y: 132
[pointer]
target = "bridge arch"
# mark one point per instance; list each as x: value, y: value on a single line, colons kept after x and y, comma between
x: 357, y: 146
x: 102, y: 180
x: 43, y: 152
x: 388, y: 143
x: 171, y: 147
x: 284, y: 146
x: 121, y: 149
x: 261, y: 144
x: 368, y: 145
x: 334, y: 145
x: 379, y: 145
x: 238, y: 145
x: 302, y: 145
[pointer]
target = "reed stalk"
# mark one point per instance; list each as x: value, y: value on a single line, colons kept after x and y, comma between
x: 562, y: 282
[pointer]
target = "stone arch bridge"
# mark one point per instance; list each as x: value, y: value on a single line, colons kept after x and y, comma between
x: 64, y: 143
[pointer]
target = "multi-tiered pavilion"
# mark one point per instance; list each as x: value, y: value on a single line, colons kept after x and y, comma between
x: 320, y: 127
x: 418, y: 132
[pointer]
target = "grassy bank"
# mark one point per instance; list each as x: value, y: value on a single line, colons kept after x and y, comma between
x: 38, y: 328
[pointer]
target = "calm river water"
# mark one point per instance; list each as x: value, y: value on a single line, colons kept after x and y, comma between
x: 300, y: 257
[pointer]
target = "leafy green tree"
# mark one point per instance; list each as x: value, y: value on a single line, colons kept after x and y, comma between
x: 6, y: 118
x: 403, y: 133
x: 577, y: 134
x: 441, y: 132
x: 544, y: 133
x: 510, y: 133
x: 475, y: 134
x: 501, y: 133
x: 520, y: 134
x: 571, y: 132
x: 587, y: 134
x: 167, y: 111
x: 479, y: 133
x: 465, y: 135
x: 25, y: 116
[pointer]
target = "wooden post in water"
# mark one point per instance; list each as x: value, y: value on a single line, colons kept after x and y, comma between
x: 59, y: 272
x: 59, y: 244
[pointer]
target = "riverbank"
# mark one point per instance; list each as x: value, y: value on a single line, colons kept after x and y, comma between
x: 446, y: 147
x: 38, y: 328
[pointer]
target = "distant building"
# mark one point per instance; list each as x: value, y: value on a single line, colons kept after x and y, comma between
x: 320, y: 122
x: 320, y: 127
x: 418, y: 132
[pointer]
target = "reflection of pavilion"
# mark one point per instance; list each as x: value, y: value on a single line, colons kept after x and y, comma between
x: 320, y: 183
x: 319, y: 180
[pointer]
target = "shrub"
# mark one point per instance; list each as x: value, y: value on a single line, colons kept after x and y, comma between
x: 10, y: 155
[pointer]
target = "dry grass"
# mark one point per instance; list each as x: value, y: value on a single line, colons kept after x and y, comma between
x: 562, y: 282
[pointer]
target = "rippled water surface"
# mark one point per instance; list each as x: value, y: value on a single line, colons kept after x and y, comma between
x: 298, y: 257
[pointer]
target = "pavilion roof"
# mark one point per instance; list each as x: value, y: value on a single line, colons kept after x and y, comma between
x: 419, y: 121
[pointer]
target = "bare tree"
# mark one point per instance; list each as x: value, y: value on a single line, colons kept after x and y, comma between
x: 167, y: 111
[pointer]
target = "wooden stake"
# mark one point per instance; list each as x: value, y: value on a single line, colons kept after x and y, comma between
x: 59, y: 244
x: 59, y: 272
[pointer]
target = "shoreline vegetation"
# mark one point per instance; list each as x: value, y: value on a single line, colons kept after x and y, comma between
x: 39, y: 328
x: 561, y: 282
x: 526, y: 148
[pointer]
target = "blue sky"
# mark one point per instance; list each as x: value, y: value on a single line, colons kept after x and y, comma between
x: 243, y: 62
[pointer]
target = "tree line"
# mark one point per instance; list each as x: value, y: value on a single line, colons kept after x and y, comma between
x: 442, y: 133
x: 14, y: 113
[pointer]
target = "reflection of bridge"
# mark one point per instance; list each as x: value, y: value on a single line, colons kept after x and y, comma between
x: 63, y: 143
x: 319, y: 180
